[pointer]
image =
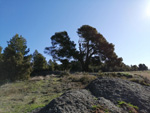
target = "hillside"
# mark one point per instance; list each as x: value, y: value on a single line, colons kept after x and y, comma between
x: 24, y: 97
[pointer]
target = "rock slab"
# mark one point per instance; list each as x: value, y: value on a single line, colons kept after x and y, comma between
x: 115, y: 89
x: 80, y: 101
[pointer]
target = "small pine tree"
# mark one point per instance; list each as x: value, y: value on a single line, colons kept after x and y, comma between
x: 39, y: 61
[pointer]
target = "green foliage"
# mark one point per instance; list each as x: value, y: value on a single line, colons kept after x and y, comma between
x: 94, y: 50
x: 29, y: 107
x: 95, y: 98
x: 142, y: 67
x: 98, y: 108
x: 62, y: 48
x: 121, y: 103
x: 39, y: 61
x: 94, y: 47
x: 18, y: 45
x: 16, y: 63
x: 95, y: 106
x: 134, y: 67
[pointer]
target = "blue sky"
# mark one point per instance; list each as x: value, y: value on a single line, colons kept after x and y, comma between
x: 125, y: 23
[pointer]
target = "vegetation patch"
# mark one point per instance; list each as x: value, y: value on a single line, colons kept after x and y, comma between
x: 130, y: 107
x: 139, y: 77
x: 116, y: 74
x: 25, y: 96
x: 141, y: 81
x: 84, y: 79
x: 99, y: 109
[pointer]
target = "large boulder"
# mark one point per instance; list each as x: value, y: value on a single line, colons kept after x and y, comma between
x: 80, y: 101
x: 115, y: 90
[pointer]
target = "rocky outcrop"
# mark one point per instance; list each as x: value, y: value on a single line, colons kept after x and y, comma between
x: 101, y: 95
x: 80, y: 101
x: 115, y: 90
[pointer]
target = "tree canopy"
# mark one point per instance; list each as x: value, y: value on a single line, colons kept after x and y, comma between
x: 62, y: 49
x: 18, y: 45
x: 142, y: 67
x: 92, y: 47
x: 94, y: 53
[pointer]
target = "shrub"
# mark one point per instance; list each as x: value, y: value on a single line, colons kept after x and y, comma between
x: 84, y: 79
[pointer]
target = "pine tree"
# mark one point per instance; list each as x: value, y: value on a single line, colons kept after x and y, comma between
x: 39, y: 61
x: 93, y: 47
x: 16, y: 63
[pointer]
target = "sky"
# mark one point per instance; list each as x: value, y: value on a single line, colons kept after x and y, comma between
x: 125, y: 23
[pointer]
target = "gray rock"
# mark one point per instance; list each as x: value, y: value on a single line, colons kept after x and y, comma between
x: 116, y: 90
x: 103, y: 92
x: 110, y: 106
x: 80, y: 101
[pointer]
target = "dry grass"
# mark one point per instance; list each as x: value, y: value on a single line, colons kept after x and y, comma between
x: 140, y: 77
x: 37, y: 78
x: 25, y: 96
x: 83, y: 78
x: 142, y: 73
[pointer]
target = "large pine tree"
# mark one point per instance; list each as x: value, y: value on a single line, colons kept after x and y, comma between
x: 16, y: 63
x: 93, y: 47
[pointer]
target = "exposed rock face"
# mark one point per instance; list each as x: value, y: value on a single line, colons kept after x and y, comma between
x: 104, y: 92
x: 80, y: 101
x: 70, y: 102
x: 122, y: 90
